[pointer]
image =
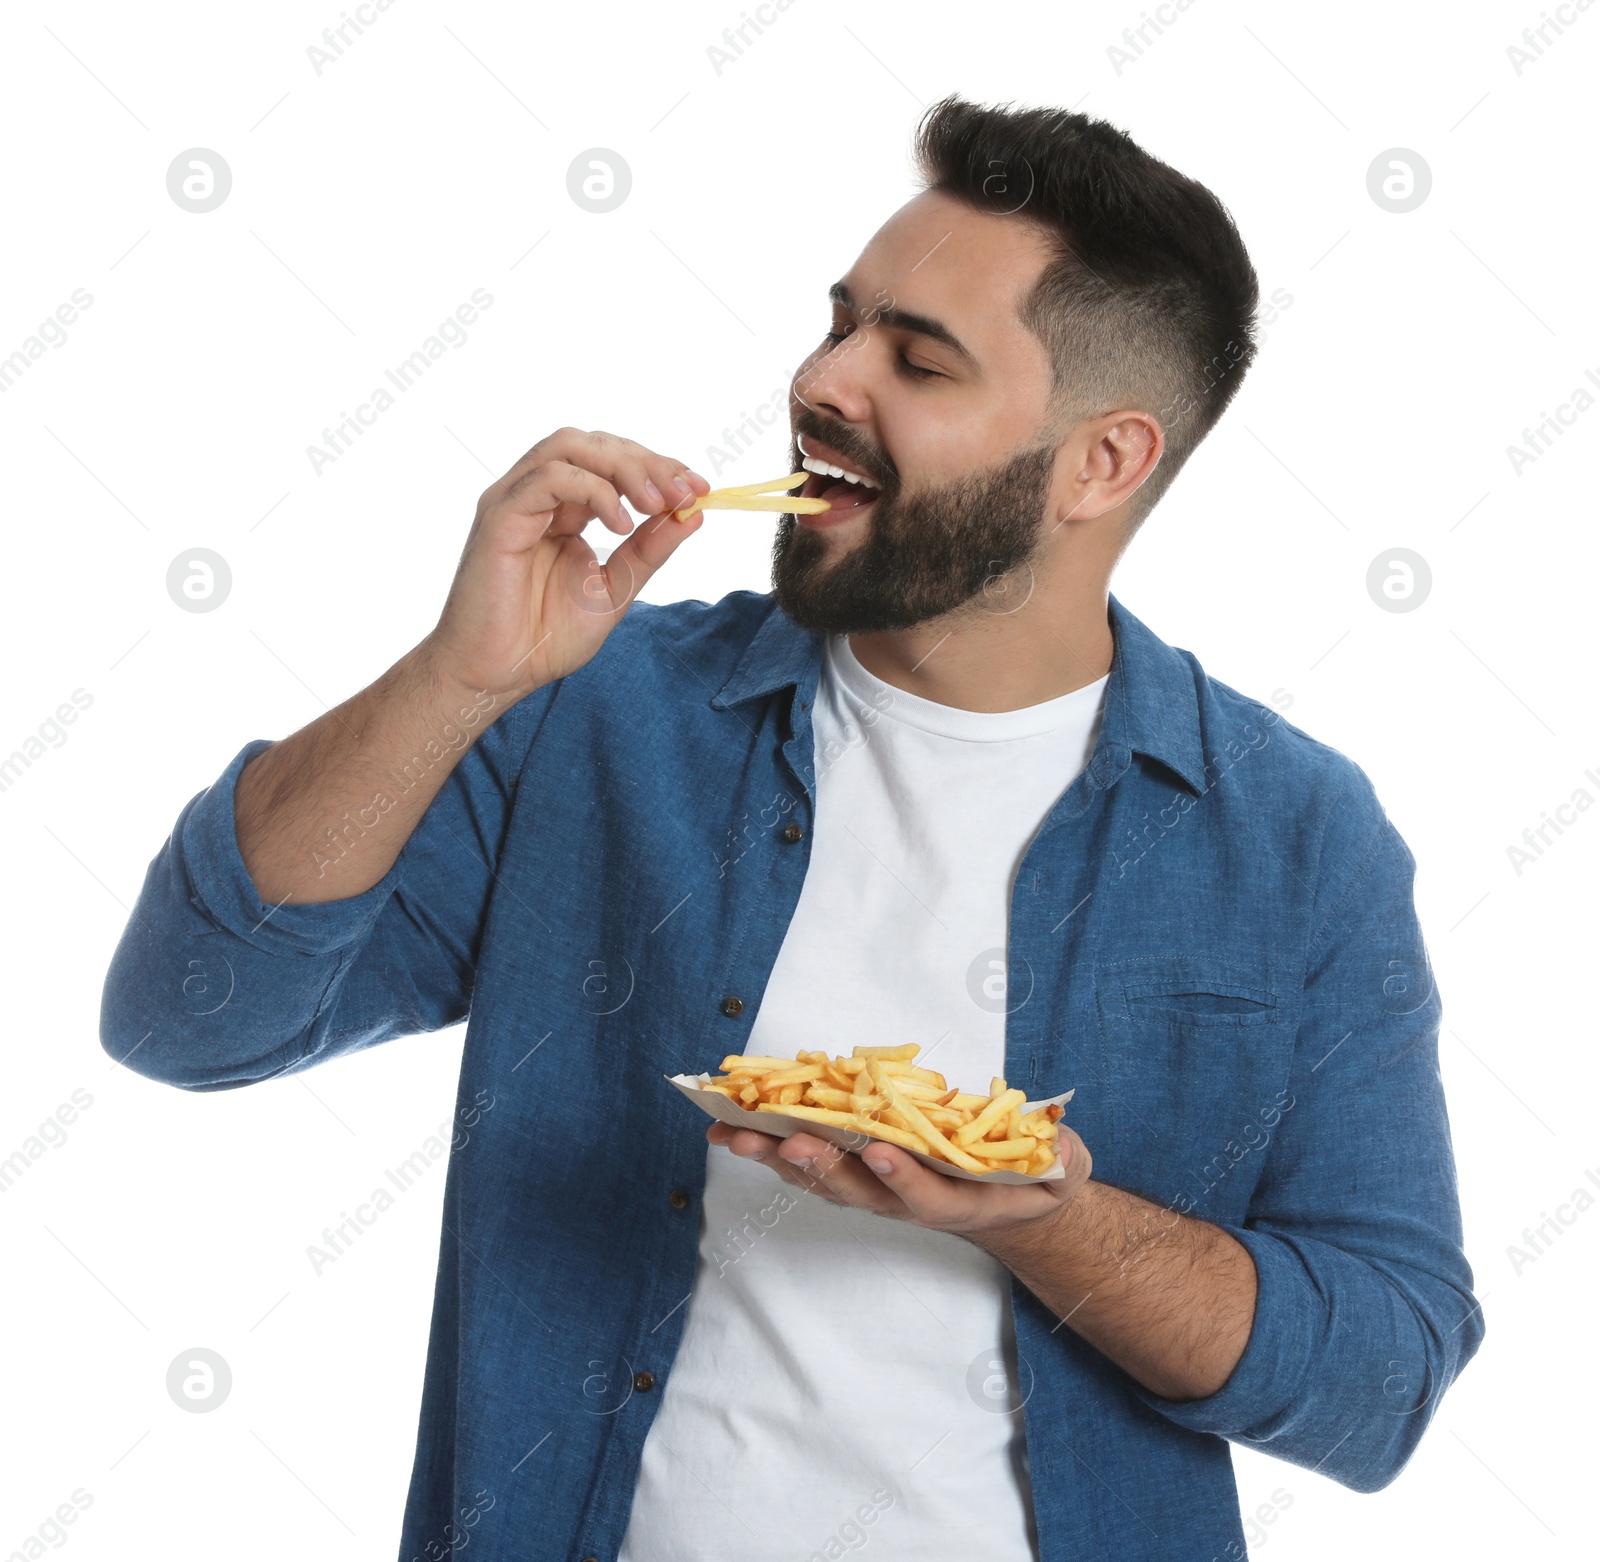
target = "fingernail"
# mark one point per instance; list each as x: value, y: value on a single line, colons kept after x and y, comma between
x: 705, y: 480
x: 882, y: 1168
x: 804, y: 1165
x: 653, y: 494
x: 682, y: 489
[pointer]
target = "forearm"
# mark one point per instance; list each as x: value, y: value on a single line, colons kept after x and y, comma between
x: 1169, y: 1299
x: 323, y: 814
x: 204, y: 992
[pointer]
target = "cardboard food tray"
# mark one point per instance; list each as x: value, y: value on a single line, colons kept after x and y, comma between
x: 714, y: 1104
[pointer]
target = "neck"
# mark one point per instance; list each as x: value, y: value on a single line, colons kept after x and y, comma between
x: 983, y: 658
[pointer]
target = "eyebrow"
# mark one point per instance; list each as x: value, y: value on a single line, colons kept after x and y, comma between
x: 905, y: 320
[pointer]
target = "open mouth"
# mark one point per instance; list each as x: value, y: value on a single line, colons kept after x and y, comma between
x: 845, y: 492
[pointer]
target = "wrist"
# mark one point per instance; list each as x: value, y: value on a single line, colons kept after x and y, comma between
x: 441, y: 703
x: 1057, y: 1230
x: 436, y: 687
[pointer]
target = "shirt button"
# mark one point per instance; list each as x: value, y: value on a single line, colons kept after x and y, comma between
x: 733, y: 1006
x: 644, y: 1381
x: 792, y: 833
x: 678, y: 1199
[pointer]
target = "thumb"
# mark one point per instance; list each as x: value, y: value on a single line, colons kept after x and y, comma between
x: 647, y: 547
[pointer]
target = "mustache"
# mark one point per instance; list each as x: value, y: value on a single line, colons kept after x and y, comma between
x: 849, y: 444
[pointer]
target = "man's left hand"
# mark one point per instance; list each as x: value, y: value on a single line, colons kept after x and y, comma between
x: 890, y: 1181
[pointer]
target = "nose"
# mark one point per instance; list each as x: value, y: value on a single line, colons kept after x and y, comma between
x: 831, y: 382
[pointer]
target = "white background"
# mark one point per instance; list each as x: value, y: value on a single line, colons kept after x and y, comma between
x: 430, y: 160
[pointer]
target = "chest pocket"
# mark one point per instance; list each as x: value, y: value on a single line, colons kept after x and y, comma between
x: 1186, y: 991
x: 1194, y: 1049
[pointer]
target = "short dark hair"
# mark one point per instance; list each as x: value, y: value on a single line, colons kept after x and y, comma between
x: 1150, y: 300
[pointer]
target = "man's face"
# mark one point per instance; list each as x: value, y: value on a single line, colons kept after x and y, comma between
x: 932, y: 389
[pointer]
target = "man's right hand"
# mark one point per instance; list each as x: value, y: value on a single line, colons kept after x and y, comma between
x: 530, y: 602
x: 323, y: 814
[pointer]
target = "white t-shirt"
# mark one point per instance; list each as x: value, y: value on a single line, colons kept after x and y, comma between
x: 844, y: 1377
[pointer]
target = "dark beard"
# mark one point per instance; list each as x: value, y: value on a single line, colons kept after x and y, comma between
x: 925, y: 554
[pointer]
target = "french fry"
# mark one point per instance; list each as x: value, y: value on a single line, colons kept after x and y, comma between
x: 888, y: 1054
x: 789, y: 483
x: 920, y: 1089
x: 996, y: 1111
x: 896, y: 1066
x: 861, y: 1125
x: 820, y: 1114
x: 878, y: 1130
x: 1007, y: 1149
x: 921, y: 1076
x: 795, y: 1076
x: 771, y: 495
x: 796, y: 506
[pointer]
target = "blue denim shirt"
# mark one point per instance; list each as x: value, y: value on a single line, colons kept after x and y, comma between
x: 1212, y: 940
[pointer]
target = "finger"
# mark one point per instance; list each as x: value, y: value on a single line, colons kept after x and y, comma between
x: 612, y: 454
x: 929, y: 1199
x: 652, y: 542
x: 744, y: 1142
x: 669, y: 481
x: 838, y: 1175
x: 651, y: 481
x: 1076, y: 1163
x: 749, y: 1145
x: 953, y: 1203
x: 574, y: 489
x: 811, y: 1164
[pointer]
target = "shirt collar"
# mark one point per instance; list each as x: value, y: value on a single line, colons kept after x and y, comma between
x: 1151, y: 707
x: 781, y: 655
x: 1152, y: 700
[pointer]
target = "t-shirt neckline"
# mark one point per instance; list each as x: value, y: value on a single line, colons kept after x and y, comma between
x: 950, y: 721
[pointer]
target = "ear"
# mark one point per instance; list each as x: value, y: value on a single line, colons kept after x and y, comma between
x: 1112, y: 456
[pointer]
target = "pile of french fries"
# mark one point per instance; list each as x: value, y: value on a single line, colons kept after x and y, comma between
x: 881, y: 1092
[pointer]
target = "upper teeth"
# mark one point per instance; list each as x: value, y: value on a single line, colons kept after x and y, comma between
x: 824, y: 469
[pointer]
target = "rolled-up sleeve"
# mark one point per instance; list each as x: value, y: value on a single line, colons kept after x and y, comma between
x: 1364, y: 1307
x: 210, y: 988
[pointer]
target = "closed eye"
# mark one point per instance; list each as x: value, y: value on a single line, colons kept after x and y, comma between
x: 833, y: 338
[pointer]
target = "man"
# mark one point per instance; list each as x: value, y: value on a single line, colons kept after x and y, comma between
x: 939, y: 788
